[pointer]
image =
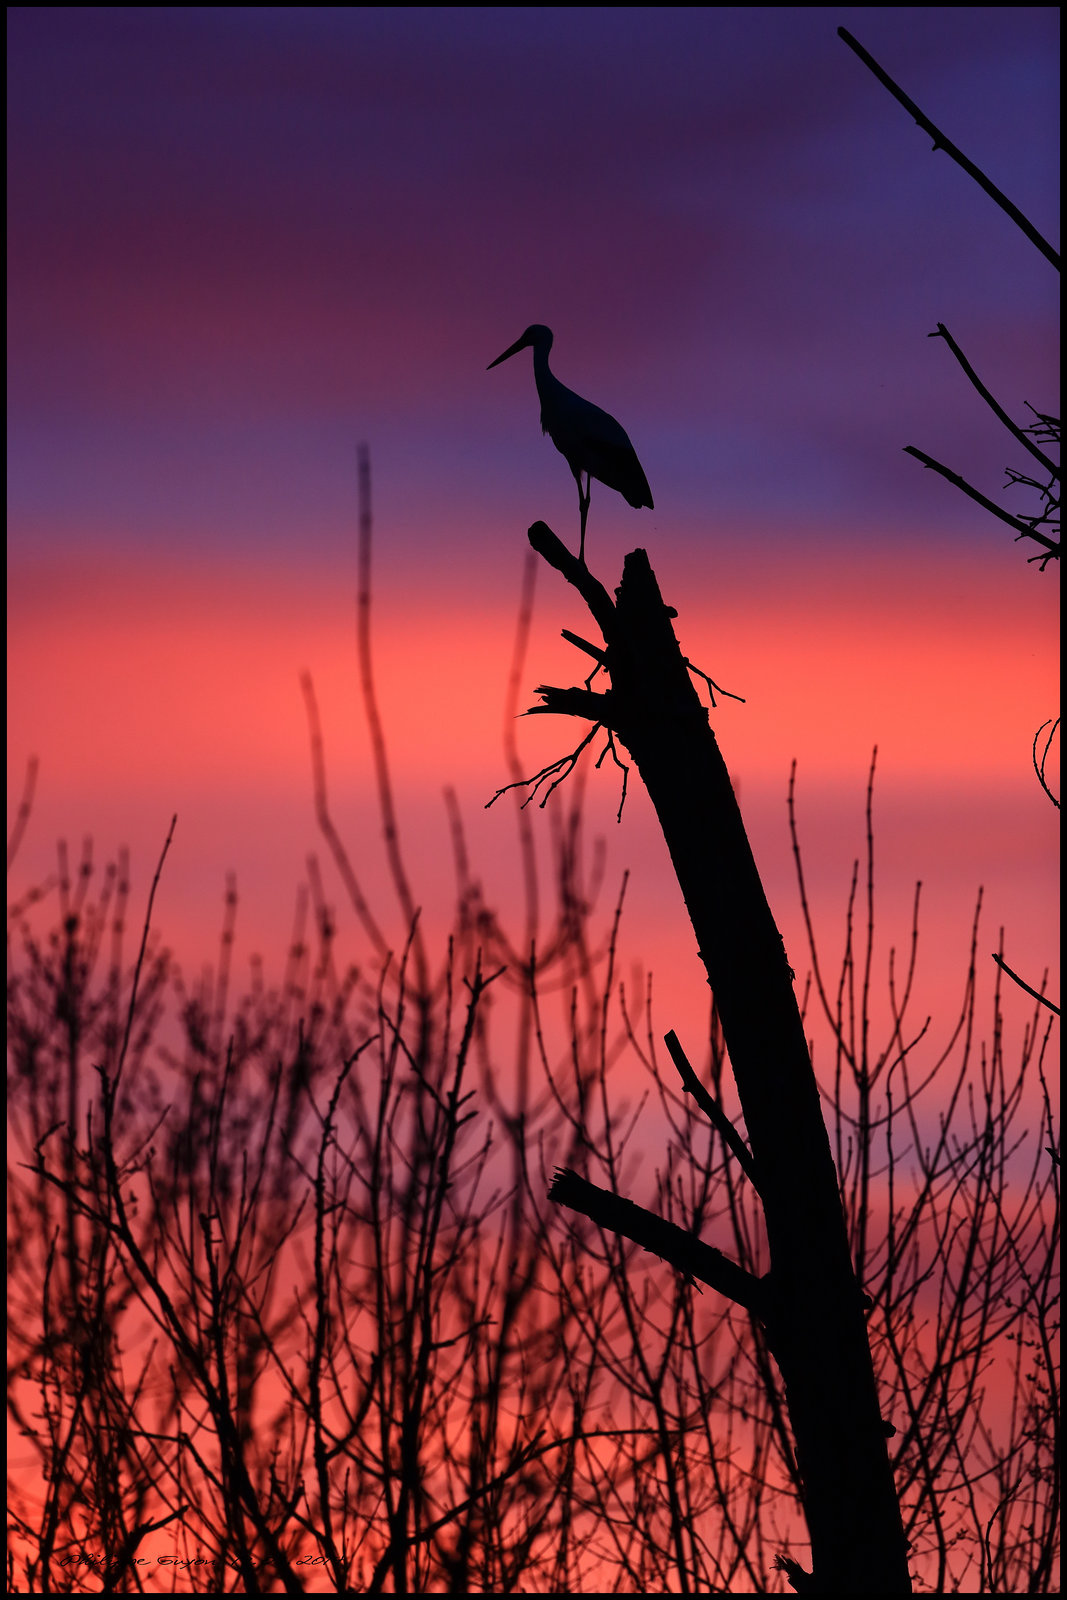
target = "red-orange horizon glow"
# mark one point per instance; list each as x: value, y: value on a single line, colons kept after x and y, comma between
x: 145, y: 690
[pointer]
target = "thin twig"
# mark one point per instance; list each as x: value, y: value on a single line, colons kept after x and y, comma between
x: 113, y: 1089
x: 386, y: 805
x: 711, y: 1107
x: 566, y: 763
x: 712, y: 685
x: 326, y: 823
x: 1022, y: 434
x: 609, y: 749
x: 22, y: 817
x: 1040, y: 762
x: 1015, y: 978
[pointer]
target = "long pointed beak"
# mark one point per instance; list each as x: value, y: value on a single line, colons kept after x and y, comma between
x: 520, y: 344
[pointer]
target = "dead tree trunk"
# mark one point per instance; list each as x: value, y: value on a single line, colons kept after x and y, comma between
x: 810, y: 1303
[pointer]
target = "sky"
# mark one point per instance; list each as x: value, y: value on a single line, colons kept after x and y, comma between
x: 244, y: 240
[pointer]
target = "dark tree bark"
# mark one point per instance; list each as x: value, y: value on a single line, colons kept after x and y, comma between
x: 810, y: 1303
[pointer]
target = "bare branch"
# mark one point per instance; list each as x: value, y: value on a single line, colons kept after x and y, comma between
x: 29, y: 784
x: 1022, y: 434
x: 563, y: 766
x: 1024, y: 530
x: 941, y: 142
x: 672, y: 1244
x: 712, y: 685
x: 1015, y: 978
x: 579, y: 643
x: 1041, y: 762
x: 326, y: 823
x: 555, y: 552
x: 711, y: 1107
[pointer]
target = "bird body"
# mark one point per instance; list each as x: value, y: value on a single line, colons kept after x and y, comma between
x: 589, y: 439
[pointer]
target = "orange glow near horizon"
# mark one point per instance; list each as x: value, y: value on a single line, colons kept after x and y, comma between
x: 146, y: 690
x: 212, y: 665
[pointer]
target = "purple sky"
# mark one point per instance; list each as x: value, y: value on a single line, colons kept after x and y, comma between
x: 242, y: 237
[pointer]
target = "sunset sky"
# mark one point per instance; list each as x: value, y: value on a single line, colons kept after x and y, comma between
x: 244, y: 239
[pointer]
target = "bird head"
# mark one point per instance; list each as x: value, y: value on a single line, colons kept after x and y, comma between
x: 536, y: 335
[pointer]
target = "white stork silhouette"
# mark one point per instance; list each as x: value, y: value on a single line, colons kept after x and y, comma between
x: 591, y: 441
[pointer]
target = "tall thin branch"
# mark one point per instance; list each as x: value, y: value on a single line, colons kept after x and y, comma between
x: 942, y: 142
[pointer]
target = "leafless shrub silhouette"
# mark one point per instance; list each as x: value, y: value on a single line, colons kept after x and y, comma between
x: 291, y: 1309
x: 950, y: 1181
x: 347, y: 1335
x: 289, y: 1305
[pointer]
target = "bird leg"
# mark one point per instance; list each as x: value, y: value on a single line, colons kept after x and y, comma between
x: 583, y: 508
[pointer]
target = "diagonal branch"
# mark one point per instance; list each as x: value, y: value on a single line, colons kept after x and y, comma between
x: 1015, y: 978
x: 681, y: 1250
x: 941, y: 142
x: 551, y: 547
x: 1024, y: 530
x: 1020, y: 433
x: 711, y: 1108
